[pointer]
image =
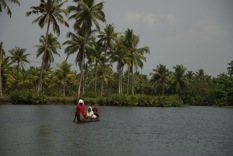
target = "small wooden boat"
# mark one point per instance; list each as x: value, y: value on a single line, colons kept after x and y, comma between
x: 83, y: 119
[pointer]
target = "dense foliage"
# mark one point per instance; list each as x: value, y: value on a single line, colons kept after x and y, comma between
x: 27, y: 97
x: 96, y: 52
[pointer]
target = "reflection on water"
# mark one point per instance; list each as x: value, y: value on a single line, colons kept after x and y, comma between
x: 49, y: 130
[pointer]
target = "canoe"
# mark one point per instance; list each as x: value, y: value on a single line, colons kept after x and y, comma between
x: 82, y: 119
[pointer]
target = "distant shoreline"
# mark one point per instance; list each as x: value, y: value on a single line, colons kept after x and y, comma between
x: 50, y: 101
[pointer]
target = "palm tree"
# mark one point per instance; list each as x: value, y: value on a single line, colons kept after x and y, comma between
x: 47, y: 48
x: 160, y: 77
x: 63, y: 73
x: 179, y: 77
x: 34, y: 76
x: 230, y: 68
x: 107, y: 38
x: 18, y: 56
x: 4, y: 4
x: 190, y: 75
x: 17, y: 79
x: 104, y: 73
x: 122, y: 57
x: 77, y: 44
x: 6, y: 68
x: 86, y: 13
x: 131, y: 42
x: 50, y: 12
x: 1, y: 58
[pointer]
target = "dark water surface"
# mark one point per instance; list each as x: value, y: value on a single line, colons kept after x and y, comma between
x: 122, y: 131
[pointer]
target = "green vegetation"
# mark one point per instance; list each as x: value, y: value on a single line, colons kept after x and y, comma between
x: 95, y: 51
x: 27, y: 97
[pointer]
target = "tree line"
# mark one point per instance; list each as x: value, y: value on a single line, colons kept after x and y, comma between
x: 95, y: 52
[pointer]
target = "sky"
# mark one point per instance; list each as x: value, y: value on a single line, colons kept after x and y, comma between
x: 197, y: 34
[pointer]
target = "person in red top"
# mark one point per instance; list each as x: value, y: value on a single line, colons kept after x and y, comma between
x: 80, y: 110
x: 96, y: 111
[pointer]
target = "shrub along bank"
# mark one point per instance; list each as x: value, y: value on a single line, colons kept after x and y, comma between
x: 33, y: 98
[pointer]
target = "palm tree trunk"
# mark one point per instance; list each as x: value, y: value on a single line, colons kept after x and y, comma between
x: 121, y: 84
x: 119, y: 79
x: 128, y: 81
x: 132, y: 81
x: 162, y: 90
x: 95, y: 80
x: 81, y: 79
x: 41, y: 76
x: 40, y: 86
x: 102, y: 86
x: 1, y: 68
x: 84, y: 81
x: 64, y: 89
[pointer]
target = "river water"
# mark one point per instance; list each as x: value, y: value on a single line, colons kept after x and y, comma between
x: 122, y: 131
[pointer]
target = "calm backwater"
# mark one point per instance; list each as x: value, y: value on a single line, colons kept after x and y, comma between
x: 122, y: 131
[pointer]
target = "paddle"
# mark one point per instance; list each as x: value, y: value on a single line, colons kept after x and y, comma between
x: 74, y: 117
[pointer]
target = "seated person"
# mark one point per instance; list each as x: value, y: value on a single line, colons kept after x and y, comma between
x: 90, y: 113
x: 96, y: 111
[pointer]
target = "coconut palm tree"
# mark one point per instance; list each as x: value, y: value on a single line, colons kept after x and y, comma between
x: 51, y: 49
x: 107, y: 38
x: 104, y: 73
x: 17, y: 79
x: 79, y: 44
x: 18, y: 56
x: 34, y: 76
x: 62, y: 74
x: 3, y: 4
x: 230, y: 68
x: 6, y: 69
x: 47, y: 48
x: 50, y: 13
x: 94, y: 58
x: 179, y: 77
x: 122, y: 57
x: 85, y: 14
x: 131, y: 42
x: 160, y: 77
x: 1, y: 58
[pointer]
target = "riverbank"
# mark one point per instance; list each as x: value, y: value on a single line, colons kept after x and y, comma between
x: 50, y: 101
x: 5, y: 100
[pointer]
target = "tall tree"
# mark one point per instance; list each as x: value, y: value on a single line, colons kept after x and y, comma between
x: 47, y: 48
x: 107, y: 38
x: 94, y: 58
x: 3, y: 4
x: 50, y: 13
x: 230, y: 68
x: 1, y: 58
x: 160, y: 77
x: 179, y: 77
x: 86, y: 12
x: 18, y: 56
x: 34, y: 76
x: 63, y: 73
x: 104, y: 73
x: 122, y: 57
x: 131, y: 42
x: 77, y: 44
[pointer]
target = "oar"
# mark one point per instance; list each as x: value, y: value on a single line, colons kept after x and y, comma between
x: 74, y: 117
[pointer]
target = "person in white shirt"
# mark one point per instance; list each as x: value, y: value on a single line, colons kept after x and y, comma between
x: 90, y: 113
